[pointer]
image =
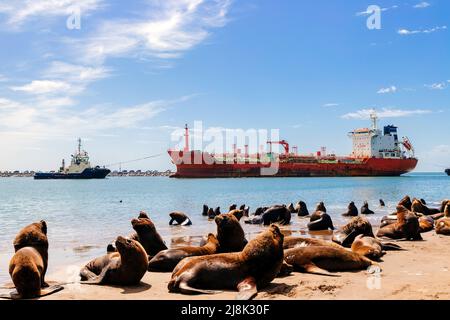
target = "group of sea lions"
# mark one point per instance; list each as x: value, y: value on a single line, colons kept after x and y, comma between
x: 226, y: 260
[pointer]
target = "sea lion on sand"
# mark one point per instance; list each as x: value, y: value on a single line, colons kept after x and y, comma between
x: 382, y: 204
x: 372, y: 248
x: 247, y: 271
x: 147, y: 236
x: 357, y: 226
x: 320, y: 220
x: 181, y: 218
x: 426, y: 224
x: 292, y: 242
x: 418, y: 207
x: 205, y: 210
x: 230, y: 234
x: 125, y: 267
x: 301, y: 209
x: 28, y: 266
x: 406, y: 202
x: 443, y: 225
x: 406, y: 227
x: 352, y: 211
x: 166, y: 260
x: 365, y: 209
x: 321, y: 260
x: 443, y: 204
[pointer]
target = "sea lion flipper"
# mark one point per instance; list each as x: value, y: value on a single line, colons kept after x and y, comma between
x: 14, y: 295
x: 312, y: 268
x: 391, y: 246
x: 51, y: 289
x: 186, y: 222
x: 247, y: 289
x: 186, y: 289
x: 92, y: 277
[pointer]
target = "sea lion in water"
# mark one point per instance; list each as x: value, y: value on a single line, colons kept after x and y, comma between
x: 382, y: 204
x: 320, y: 220
x: 125, y: 267
x: 291, y: 208
x: 181, y: 218
x: 247, y: 271
x: 292, y: 242
x: 365, y: 209
x: 166, y: 260
x: 418, y: 207
x: 322, y: 260
x: 237, y: 213
x: 205, y: 210
x: 274, y: 214
x: 230, y: 234
x: 211, y: 214
x: 301, y: 209
x: 217, y: 211
x: 147, y: 236
x: 352, y: 210
x: 406, y: 227
x: 443, y: 224
x: 357, y: 226
x: 232, y: 207
x: 28, y: 266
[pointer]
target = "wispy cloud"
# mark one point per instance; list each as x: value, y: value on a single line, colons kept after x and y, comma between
x: 422, y: 5
x: 367, y: 12
x: 330, y: 105
x: 71, y: 72
x: 406, y: 32
x: 172, y: 28
x: 391, y: 89
x: 44, y: 87
x: 3, y: 78
x: 364, y: 114
x: 19, y: 11
x: 436, y: 86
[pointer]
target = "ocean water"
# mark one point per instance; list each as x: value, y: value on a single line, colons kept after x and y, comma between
x: 84, y: 216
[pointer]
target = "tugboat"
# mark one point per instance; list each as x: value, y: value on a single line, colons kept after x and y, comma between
x: 80, y: 168
x: 447, y: 171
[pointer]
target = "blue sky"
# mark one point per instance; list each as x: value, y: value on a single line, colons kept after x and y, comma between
x: 132, y: 73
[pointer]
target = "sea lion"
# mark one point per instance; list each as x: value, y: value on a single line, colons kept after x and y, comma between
x: 274, y: 214
x: 181, y: 218
x: 426, y: 224
x: 247, y: 271
x: 291, y: 208
x: 372, y: 248
x: 125, y: 267
x: 405, y: 202
x: 230, y: 234
x: 166, y: 260
x: 357, y: 226
x: 301, y: 209
x: 233, y: 207
x: 322, y: 260
x: 418, y: 207
x: 320, y: 220
x: 205, y: 210
x: 406, y: 227
x: 352, y: 210
x: 292, y: 242
x: 443, y: 204
x: 28, y: 266
x: 382, y: 204
x: 259, y: 211
x: 147, y: 236
x: 443, y: 224
x: 211, y: 214
x: 237, y: 213
x: 365, y: 209
x: 217, y: 211
x: 423, y: 201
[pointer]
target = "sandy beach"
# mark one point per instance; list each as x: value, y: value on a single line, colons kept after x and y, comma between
x: 420, y: 272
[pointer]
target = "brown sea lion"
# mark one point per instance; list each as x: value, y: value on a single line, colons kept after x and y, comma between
x: 275, y: 214
x: 406, y: 227
x: 405, y: 202
x: 217, y: 211
x: 418, y: 207
x: 247, y: 271
x: 443, y: 224
x: 443, y: 204
x: 352, y: 210
x: 230, y: 234
x: 347, y: 234
x: 211, y: 214
x: 292, y: 242
x: 28, y: 266
x: 238, y: 213
x: 320, y: 220
x: 147, y: 236
x: 180, y: 218
x: 322, y: 260
x: 426, y: 224
x: 301, y: 209
x: 233, y: 207
x: 125, y: 267
x: 372, y: 248
x: 165, y: 261
x: 365, y: 209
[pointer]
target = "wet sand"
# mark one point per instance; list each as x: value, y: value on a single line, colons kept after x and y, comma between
x: 421, y: 272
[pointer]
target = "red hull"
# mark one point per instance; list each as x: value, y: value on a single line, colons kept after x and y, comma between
x: 201, y: 165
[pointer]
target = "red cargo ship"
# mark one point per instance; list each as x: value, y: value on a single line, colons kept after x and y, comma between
x: 375, y: 153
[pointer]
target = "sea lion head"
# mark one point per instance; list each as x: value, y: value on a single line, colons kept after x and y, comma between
x: 133, y: 254
x: 321, y: 207
x: 212, y: 239
x: 237, y: 213
x: 33, y: 235
x: 365, y: 204
x: 447, y: 210
x: 142, y: 225
x: 230, y: 234
x: 406, y: 202
x: 227, y: 220
x: 357, y: 226
x: 143, y: 215
x: 417, y: 206
x: 443, y: 204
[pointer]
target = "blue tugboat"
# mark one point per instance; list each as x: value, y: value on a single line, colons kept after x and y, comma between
x: 80, y: 168
x: 447, y: 171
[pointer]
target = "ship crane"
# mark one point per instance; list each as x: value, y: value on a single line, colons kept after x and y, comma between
x: 284, y: 143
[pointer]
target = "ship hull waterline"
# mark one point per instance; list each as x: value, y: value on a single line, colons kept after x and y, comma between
x: 371, y: 167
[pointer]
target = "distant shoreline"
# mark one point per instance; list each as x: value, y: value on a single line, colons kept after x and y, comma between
x: 123, y: 173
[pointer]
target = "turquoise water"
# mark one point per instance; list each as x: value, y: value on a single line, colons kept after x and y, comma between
x: 84, y: 216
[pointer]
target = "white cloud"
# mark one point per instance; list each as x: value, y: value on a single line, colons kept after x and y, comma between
x: 70, y: 72
x: 43, y: 87
x: 422, y: 5
x: 436, y: 86
x: 172, y: 28
x: 406, y: 32
x: 19, y: 11
x: 364, y: 114
x: 391, y: 89
x: 3, y: 78
x: 329, y: 105
x: 367, y: 12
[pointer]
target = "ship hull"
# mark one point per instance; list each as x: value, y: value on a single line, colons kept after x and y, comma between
x: 93, y: 173
x: 365, y: 168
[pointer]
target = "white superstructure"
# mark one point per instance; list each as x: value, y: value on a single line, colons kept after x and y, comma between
x: 79, y: 162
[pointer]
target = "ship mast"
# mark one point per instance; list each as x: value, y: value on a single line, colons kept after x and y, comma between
x: 374, y: 118
x: 186, y: 138
x: 79, y: 145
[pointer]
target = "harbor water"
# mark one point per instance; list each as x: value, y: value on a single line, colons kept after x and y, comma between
x: 83, y: 216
